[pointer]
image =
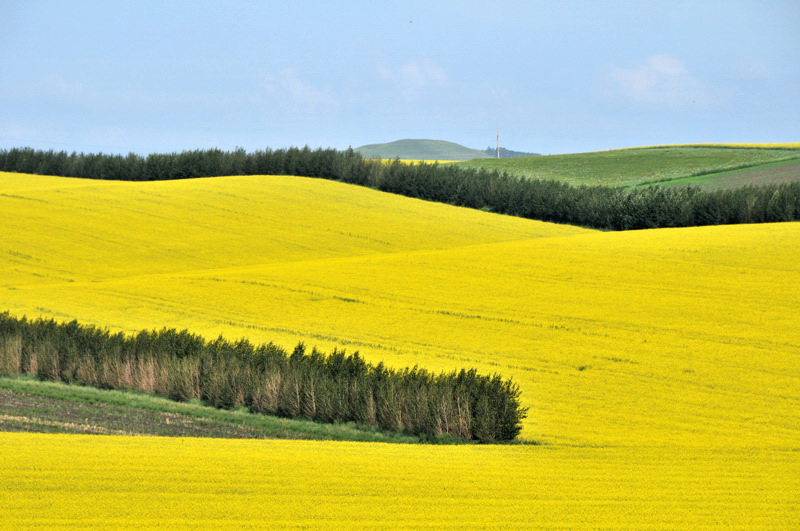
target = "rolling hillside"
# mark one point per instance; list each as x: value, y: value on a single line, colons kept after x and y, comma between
x: 644, y: 166
x: 660, y: 366
x: 415, y: 149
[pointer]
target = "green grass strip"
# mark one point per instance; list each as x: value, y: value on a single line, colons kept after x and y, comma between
x: 271, y: 427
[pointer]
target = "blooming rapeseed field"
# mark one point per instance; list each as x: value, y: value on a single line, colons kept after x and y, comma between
x: 116, y: 482
x: 660, y: 367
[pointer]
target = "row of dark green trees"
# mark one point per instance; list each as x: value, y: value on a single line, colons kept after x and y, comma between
x: 265, y: 378
x: 590, y: 206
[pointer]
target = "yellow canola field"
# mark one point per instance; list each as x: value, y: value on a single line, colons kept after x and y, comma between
x: 661, y: 367
x: 116, y: 482
x: 58, y: 230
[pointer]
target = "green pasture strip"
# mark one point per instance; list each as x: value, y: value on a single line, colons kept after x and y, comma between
x: 636, y: 166
x: 270, y: 427
x: 785, y: 171
x: 787, y: 146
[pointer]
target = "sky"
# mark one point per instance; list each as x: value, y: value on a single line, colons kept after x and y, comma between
x: 555, y: 77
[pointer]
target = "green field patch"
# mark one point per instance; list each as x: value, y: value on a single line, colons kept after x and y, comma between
x: 769, y: 173
x: 635, y: 167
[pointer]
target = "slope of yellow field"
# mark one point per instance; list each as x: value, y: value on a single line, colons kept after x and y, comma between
x: 650, y: 360
x: 57, y: 229
x: 143, y: 482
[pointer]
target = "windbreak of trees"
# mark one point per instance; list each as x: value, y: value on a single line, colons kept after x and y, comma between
x: 508, y: 153
x: 265, y: 378
x: 323, y: 163
x: 589, y: 206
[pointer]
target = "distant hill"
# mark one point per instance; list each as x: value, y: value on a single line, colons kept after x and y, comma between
x: 508, y: 153
x: 420, y: 150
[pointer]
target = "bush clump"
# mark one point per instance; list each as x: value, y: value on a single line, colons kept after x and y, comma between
x: 336, y: 387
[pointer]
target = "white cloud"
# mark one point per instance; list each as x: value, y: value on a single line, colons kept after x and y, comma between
x: 51, y: 86
x: 55, y: 85
x: 663, y: 80
x: 751, y: 68
x: 289, y: 86
x: 415, y: 77
x: 304, y: 93
x: 17, y: 132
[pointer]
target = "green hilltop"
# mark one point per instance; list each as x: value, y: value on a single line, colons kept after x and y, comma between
x: 419, y: 149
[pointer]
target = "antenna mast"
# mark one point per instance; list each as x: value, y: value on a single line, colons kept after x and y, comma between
x: 498, y: 142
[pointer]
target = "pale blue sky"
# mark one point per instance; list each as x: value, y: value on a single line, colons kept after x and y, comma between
x: 556, y: 77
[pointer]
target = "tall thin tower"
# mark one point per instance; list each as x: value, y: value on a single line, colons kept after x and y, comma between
x: 498, y: 142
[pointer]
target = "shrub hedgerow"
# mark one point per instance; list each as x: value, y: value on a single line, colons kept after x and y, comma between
x: 265, y: 378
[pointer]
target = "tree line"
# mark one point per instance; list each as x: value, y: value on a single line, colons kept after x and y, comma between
x: 336, y: 387
x: 508, y: 153
x: 600, y: 207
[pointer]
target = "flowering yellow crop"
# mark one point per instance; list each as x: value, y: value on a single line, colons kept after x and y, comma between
x: 60, y: 230
x: 115, y: 481
x: 660, y: 366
